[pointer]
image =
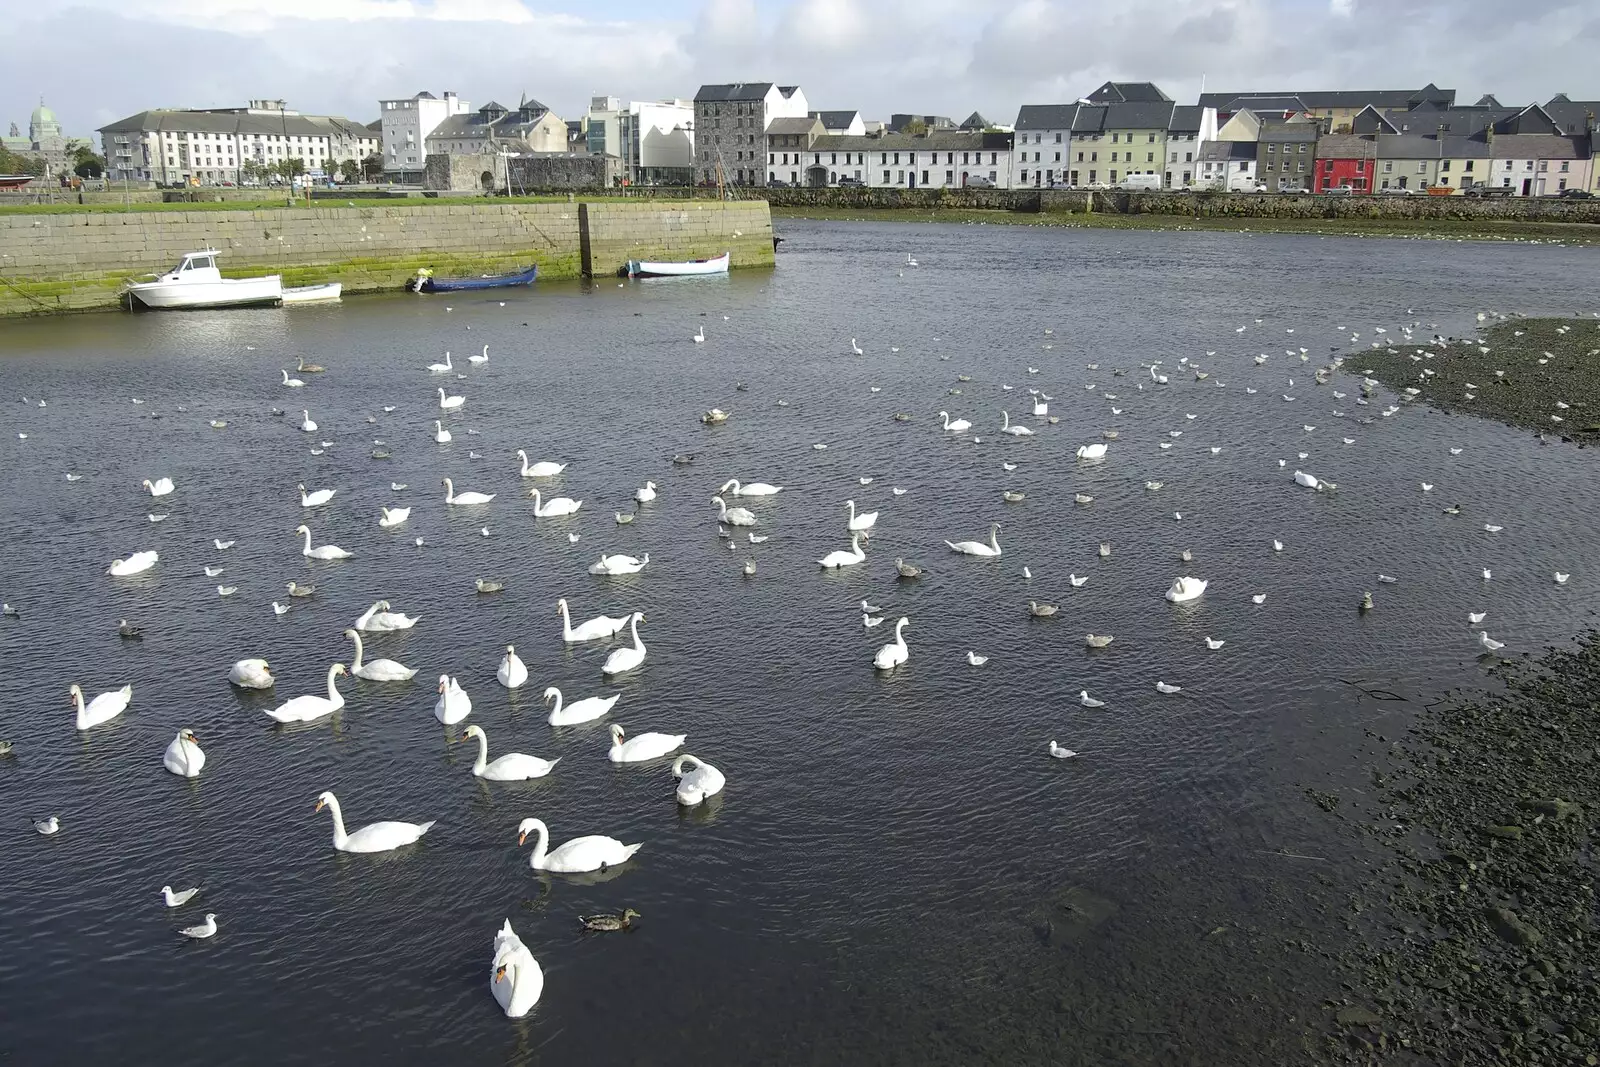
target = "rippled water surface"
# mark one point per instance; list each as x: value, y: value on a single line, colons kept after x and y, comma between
x: 896, y: 872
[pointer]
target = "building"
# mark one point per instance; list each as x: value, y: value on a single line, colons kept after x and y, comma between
x: 787, y: 141
x: 1111, y: 142
x: 45, y: 143
x: 1345, y: 161
x: 494, y: 128
x: 938, y: 159
x: 730, y: 128
x: 1129, y: 93
x: 1337, y: 108
x: 406, y: 125
x: 1229, y: 166
x: 1189, y: 129
x: 230, y: 144
x: 847, y: 123
x: 898, y: 123
x: 1286, y: 154
x: 1042, y: 145
x: 654, y: 140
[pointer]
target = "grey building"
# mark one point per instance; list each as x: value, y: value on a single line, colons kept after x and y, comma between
x: 1286, y: 155
x: 1129, y: 93
x: 730, y: 129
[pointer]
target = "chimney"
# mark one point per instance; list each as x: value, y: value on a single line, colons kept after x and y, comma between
x: 1488, y: 134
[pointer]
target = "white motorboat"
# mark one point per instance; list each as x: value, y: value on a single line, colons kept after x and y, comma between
x: 644, y: 268
x: 313, y: 294
x: 197, y: 283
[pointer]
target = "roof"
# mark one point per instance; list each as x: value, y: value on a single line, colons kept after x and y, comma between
x: 1262, y: 103
x: 1128, y: 93
x: 1046, y: 116
x: 935, y: 141
x: 1538, y: 146
x: 898, y: 122
x: 1531, y: 119
x: 1346, y: 146
x: 1227, y: 151
x: 237, y: 122
x: 1186, y: 118
x: 1337, y: 98
x: 733, y: 91
x: 975, y: 121
x: 509, y: 126
x: 1571, y: 115
x: 793, y: 125
x: 835, y: 120
x: 1290, y: 132
x: 1420, y: 146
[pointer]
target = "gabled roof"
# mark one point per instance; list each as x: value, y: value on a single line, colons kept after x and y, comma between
x: 836, y: 120
x: 795, y: 125
x: 1144, y: 115
x: 1128, y: 93
x: 1370, y: 120
x: 734, y: 91
x: 934, y: 141
x: 1227, y: 151
x: 1571, y: 115
x: 1186, y: 118
x: 1488, y: 100
x: 1538, y: 146
x: 975, y: 121
x: 1346, y: 146
x: 1531, y: 119
x: 1046, y: 116
x: 1289, y: 132
x: 1264, y: 103
x: 1337, y: 98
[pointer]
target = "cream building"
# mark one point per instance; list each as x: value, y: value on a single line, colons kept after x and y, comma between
x: 213, y: 146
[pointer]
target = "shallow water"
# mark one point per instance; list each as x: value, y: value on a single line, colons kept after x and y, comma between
x: 875, y: 883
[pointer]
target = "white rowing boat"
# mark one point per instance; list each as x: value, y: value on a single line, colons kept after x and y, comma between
x: 312, y: 294
x: 644, y: 268
x: 197, y: 283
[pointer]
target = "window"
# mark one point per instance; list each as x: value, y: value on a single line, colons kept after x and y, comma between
x: 1058, y: 141
x: 991, y: 176
x: 1058, y: 157
x: 1269, y: 165
x: 1093, y: 157
x: 886, y: 177
x: 1092, y: 177
x: 965, y: 154
x: 1544, y: 165
x: 1080, y: 157
x: 924, y: 177
x: 1563, y: 169
x: 1529, y: 166
x: 1468, y: 166
x: 1422, y: 168
x: 899, y: 177
x: 1152, y: 138
x: 1188, y: 157
x: 1113, y: 176
x: 1271, y: 148
x: 1444, y: 166
x: 1149, y: 157
x: 1302, y: 150
x: 1388, y: 167
x: 833, y: 157
x: 1113, y: 138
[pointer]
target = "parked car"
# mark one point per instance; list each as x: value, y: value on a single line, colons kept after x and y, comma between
x: 1339, y: 190
x: 851, y: 182
x: 1489, y: 191
x: 978, y: 181
x: 777, y: 183
x: 1575, y: 194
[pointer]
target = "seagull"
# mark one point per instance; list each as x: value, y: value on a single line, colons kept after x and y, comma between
x: 1487, y: 574
x: 1098, y: 640
x: 223, y: 545
x: 1489, y: 643
x: 279, y: 609
x: 1387, y: 579
x: 1088, y: 701
x: 1163, y: 687
x: 180, y: 898
x: 1476, y: 617
x: 1258, y: 598
x: 1277, y: 546
x: 976, y: 660
x: 47, y: 826
x: 126, y: 629
x: 1492, y: 528
x: 1076, y: 581
x: 869, y: 621
x: 1061, y: 753
x: 204, y: 930
x: 1561, y: 579
x: 1214, y: 645
x: 1427, y: 487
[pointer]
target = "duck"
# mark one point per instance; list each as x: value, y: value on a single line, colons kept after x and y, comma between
x: 1042, y: 611
x: 511, y: 767
x: 979, y: 548
x: 860, y: 523
x: 307, y: 708
x: 609, y: 923
x: 646, y: 746
x: 440, y: 434
x: 594, y: 629
x: 512, y: 673
x: 316, y: 499
x: 585, y: 710
x: 957, y: 426
x: 251, y: 674
x: 375, y: 837
x: 628, y: 657
x: 125, y: 629
x: 515, y: 978
x: 324, y: 552
x: 453, y: 704
x: 378, y: 670
x: 840, y: 558
x: 135, y: 563
x: 442, y: 368
x: 541, y: 469
x: 103, y: 708
x: 1094, y: 451
x: 393, y: 517
x: 619, y: 564
x: 159, y: 487
x: 733, y: 516
x: 895, y: 653
x: 1185, y: 589
x: 183, y: 756
x: 750, y: 489
x: 699, y: 782
x: 580, y: 855
x: 450, y: 403
x: 554, y: 507
x: 452, y: 497
x: 907, y: 570
x: 292, y: 383
x: 645, y: 493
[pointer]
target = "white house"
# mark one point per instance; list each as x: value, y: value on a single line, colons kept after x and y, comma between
x: 1040, y: 150
x: 939, y: 159
x: 844, y: 123
x: 1229, y: 166
x: 1188, y: 131
x: 730, y: 128
x: 407, y: 123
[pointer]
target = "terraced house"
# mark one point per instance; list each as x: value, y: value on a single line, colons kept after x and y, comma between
x: 1042, y: 146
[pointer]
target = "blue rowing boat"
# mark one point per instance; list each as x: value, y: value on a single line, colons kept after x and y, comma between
x: 426, y: 283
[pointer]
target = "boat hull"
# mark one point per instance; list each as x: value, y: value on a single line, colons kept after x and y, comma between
x: 313, y: 294
x: 229, y: 292
x: 458, y: 285
x: 644, y: 268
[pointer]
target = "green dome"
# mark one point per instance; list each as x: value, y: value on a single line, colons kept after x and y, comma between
x: 42, y: 123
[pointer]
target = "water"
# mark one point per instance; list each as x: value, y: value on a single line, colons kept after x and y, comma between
x: 876, y: 882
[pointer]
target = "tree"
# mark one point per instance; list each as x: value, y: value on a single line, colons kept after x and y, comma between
x: 350, y: 170
x: 86, y: 164
x: 372, y: 167
x: 253, y: 170
x: 916, y: 128
x: 290, y: 167
x: 14, y: 163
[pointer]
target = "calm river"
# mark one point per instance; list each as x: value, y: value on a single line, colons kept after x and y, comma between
x: 897, y: 872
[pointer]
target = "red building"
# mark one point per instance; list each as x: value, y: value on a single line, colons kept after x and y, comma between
x: 1343, y: 161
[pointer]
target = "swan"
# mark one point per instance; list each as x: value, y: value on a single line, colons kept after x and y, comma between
x: 103, y: 708
x: 554, y: 507
x: 306, y: 708
x: 450, y: 403
x: 542, y: 469
x: 628, y: 657
x: 379, y: 619
x: 840, y: 558
x: 376, y: 837
x: 440, y: 434
x: 482, y: 357
x: 645, y: 493
x: 1186, y: 588
x: 700, y: 335
x: 700, y: 782
x: 309, y: 368
x: 321, y: 551
x: 593, y: 853
x: 857, y: 349
x: 1094, y: 451
x: 515, y: 978
x: 979, y: 548
x: 862, y: 522
x: 136, y: 563
x: 1041, y: 407
x: 1014, y: 431
x: 379, y: 670
x: 619, y: 564
x: 733, y: 516
x: 895, y: 652
x: 394, y: 517
x: 579, y: 710
x: 316, y: 499
x: 453, y: 497
x: 251, y: 674
x: 183, y: 757
x: 453, y: 704
x: 513, y: 672
x: 442, y: 368
x: 292, y: 383
x: 752, y: 489
x: 512, y: 767
x: 305, y: 422
x: 646, y: 746
x: 159, y: 487
x: 957, y: 426
x: 591, y: 630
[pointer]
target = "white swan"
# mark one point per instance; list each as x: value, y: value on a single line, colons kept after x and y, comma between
x: 1041, y: 407
x: 305, y: 422
x: 1014, y: 431
x: 251, y: 674
x: 379, y: 670
x: 590, y: 630
x: 306, y: 708
x: 957, y: 426
x: 860, y: 523
x: 646, y: 746
x: 136, y: 563
x: 584, y: 710
x: 840, y: 558
x: 542, y: 469
x: 629, y: 656
x: 481, y: 358
x: 183, y: 757
x: 515, y: 977
x: 733, y: 516
x: 645, y: 493
x: 321, y: 551
x: 895, y: 652
x: 752, y: 489
x: 292, y: 383
x: 376, y: 837
x: 699, y: 782
x: 554, y: 507
x: 979, y: 548
x: 103, y: 708
x: 1094, y: 451
x: 394, y: 517
x: 316, y: 499
x: 440, y: 434
x: 453, y: 704
x: 593, y: 853
x: 442, y: 368
x: 379, y: 619
x: 619, y: 564
x: 453, y: 497
x: 450, y: 403
x: 1186, y: 588
x: 159, y: 487
x: 512, y: 767
x: 512, y: 673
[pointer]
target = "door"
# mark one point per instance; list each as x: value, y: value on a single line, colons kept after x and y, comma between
x: 913, y: 179
x: 1527, y: 186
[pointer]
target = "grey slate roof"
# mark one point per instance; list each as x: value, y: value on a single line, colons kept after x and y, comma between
x: 975, y: 121
x: 1227, y: 151
x: 836, y: 120
x: 160, y: 121
x: 1263, y: 103
x: 1046, y: 116
x: 1570, y: 114
x: 792, y: 125
x: 1538, y: 146
x: 509, y: 126
x: 733, y: 91
x: 1339, y: 98
x: 1289, y: 132
x: 1186, y: 118
x: 1128, y: 93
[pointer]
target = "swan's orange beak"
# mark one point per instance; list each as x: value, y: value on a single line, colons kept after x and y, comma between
x: 319, y: 804
x: 193, y: 738
x: 522, y: 839
x: 463, y: 737
x: 500, y: 973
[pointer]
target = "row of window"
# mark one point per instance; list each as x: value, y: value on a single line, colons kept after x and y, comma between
x: 1150, y: 138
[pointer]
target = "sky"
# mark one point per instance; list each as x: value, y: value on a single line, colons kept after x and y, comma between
x: 95, y: 61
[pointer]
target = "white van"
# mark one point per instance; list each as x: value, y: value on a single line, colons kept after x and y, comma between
x: 1140, y: 182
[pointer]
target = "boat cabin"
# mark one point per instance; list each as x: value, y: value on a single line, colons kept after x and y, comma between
x: 195, y: 267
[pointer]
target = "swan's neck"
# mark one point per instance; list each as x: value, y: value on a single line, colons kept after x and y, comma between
x: 633, y: 628
x: 851, y: 504
x: 356, y: 666
x: 77, y: 698
x: 557, y: 709
x: 333, y: 694
x: 339, y: 836
x: 994, y: 542
x: 899, y: 633
x: 483, y: 754
x: 308, y: 540
x: 539, y: 846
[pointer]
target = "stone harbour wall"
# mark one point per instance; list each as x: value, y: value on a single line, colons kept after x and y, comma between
x: 615, y: 232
